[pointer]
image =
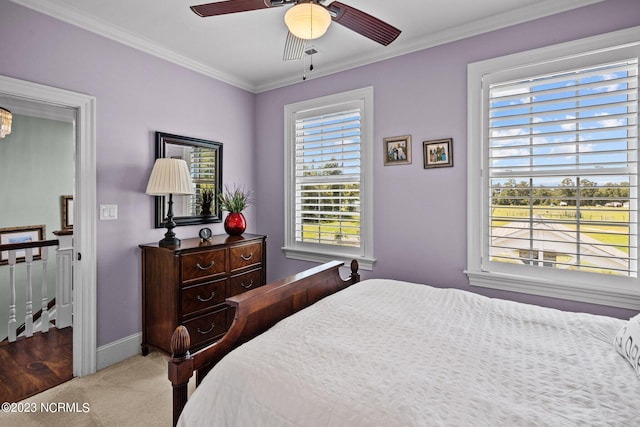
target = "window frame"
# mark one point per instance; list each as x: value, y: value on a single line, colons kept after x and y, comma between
x: 363, y: 98
x: 587, y: 287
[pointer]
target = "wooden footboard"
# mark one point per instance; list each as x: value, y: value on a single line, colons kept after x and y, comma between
x: 255, y: 311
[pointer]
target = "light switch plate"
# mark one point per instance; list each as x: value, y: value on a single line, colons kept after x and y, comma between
x: 108, y: 212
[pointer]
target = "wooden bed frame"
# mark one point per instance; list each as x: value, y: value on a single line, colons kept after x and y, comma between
x: 255, y: 312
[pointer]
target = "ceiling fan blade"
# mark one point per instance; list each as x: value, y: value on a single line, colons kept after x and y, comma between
x: 229, y: 6
x: 363, y: 23
x: 293, y: 47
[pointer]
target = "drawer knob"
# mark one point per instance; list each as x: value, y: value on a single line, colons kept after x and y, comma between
x: 246, y: 258
x: 247, y: 286
x: 206, y: 267
x: 213, y: 293
x: 213, y: 325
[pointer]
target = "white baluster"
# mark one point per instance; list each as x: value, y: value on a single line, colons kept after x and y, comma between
x: 28, y: 318
x: 44, y: 256
x: 12, y: 326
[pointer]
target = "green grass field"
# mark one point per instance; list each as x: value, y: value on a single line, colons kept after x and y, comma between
x: 331, y: 232
x: 608, y: 225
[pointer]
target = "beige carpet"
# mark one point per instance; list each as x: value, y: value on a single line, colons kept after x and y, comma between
x: 135, y: 392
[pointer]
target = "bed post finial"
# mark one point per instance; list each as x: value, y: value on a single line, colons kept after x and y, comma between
x: 355, y: 277
x: 180, y: 369
x: 180, y: 343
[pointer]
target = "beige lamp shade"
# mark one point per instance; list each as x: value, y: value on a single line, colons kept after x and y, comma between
x: 307, y: 20
x: 170, y: 176
x: 5, y: 122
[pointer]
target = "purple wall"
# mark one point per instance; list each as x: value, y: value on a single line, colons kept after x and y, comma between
x: 420, y: 215
x: 136, y: 94
x: 423, y: 93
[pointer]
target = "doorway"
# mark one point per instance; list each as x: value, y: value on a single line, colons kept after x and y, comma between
x: 85, y: 212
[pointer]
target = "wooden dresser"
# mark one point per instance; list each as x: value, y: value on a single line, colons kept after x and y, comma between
x: 188, y: 285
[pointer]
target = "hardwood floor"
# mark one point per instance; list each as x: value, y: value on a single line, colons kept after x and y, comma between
x: 31, y: 365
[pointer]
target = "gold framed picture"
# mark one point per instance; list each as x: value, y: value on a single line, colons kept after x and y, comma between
x: 397, y: 150
x: 438, y: 153
x: 67, y: 212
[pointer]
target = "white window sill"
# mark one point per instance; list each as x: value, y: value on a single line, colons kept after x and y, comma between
x: 308, y: 255
x: 602, y: 294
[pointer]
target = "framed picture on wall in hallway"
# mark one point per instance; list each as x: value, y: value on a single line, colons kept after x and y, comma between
x: 67, y: 212
x: 438, y: 153
x: 24, y: 234
x: 397, y: 150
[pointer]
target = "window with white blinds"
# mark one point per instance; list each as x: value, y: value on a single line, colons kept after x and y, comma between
x: 328, y: 188
x: 563, y: 169
x: 553, y: 171
x: 203, y: 168
x: 327, y: 179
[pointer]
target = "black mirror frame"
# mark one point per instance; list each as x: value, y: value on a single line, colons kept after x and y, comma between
x: 160, y: 212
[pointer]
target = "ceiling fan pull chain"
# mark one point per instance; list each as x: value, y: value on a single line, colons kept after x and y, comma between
x: 304, y: 63
x: 304, y: 77
x: 304, y: 74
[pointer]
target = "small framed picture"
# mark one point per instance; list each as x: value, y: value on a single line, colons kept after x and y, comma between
x: 397, y: 150
x: 438, y: 153
x: 67, y: 212
x: 29, y: 233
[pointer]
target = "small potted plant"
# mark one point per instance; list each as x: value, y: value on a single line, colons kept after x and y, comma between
x: 235, y: 201
x: 206, y: 200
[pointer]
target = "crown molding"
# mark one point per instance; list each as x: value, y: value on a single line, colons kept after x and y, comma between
x: 493, y: 23
x: 78, y: 19
x: 72, y: 16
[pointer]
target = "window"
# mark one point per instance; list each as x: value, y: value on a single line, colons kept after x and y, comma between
x: 553, y: 135
x: 204, y: 173
x: 328, y: 179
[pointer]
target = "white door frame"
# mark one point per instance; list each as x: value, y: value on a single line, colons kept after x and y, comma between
x: 84, y: 227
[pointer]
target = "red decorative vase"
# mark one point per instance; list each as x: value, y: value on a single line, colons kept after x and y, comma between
x: 235, y: 224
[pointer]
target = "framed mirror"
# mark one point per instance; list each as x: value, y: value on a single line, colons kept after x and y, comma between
x: 204, y: 159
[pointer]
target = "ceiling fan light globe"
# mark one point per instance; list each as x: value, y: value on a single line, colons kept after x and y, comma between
x: 307, y: 21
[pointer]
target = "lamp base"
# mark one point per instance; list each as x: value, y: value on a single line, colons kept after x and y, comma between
x: 169, y: 241
x: 170, y: 238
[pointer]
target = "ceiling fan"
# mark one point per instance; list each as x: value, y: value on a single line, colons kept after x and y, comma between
x: 310, y: 13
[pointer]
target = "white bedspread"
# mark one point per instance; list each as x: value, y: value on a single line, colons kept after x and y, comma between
x: 389, y: 353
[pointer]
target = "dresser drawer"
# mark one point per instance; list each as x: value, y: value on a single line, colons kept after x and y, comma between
x: 245, y: 255
x: 244, y: 282
x: 207, y: 328
x: 202, y: 297
x: 200, y: 265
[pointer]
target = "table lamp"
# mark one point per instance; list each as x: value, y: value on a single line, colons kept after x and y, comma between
x: 169, y: 177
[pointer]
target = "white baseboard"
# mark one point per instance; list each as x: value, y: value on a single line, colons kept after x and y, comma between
x: 118, y: 350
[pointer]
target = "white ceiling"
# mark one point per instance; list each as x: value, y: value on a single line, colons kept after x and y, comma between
x: 245, y: 49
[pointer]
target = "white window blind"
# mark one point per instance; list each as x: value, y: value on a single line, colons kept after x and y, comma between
x: 327, y: 179
x: 203, y: 173
x: 562, y: 162
x: 203, y: 167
